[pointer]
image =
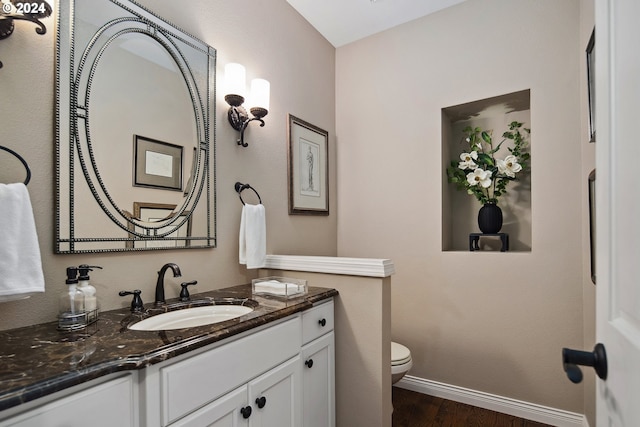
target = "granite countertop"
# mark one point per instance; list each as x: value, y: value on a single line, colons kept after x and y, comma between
x: 38, y: 360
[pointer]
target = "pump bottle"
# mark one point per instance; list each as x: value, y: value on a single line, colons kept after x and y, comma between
x: 89, y: 291
x: 71, y: 314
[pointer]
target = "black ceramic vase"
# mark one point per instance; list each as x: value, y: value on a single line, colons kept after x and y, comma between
x: 490, y: 218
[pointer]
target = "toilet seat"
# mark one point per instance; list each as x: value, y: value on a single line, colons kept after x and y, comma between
x: 400, y: 354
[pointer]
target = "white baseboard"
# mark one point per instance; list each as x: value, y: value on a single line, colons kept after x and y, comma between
x: 505, y: 405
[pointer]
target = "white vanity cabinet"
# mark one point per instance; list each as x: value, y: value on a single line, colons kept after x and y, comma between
x: 258, y: 379
x: 276, y: 375
x: 105, y: 402
x: 319, y: 367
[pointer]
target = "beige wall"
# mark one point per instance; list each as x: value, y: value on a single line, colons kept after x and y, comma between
x: 494, y: 322
x: 272, y: 41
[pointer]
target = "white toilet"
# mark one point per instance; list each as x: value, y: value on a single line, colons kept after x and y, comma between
x: 400, y: 361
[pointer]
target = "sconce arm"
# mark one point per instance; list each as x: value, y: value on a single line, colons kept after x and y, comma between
x: 41, y: 29
x: 6, y: 25
x: 244, y: 126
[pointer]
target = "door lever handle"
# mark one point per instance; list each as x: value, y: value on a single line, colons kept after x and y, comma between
x: 596, y: 358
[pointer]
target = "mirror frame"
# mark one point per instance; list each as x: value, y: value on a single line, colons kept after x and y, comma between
x: 76, y: 60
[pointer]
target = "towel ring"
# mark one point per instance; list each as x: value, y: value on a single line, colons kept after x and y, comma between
x: 23, y: 161
x: 240, y: 187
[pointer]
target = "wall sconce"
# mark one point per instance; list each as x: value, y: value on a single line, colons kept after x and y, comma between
x: 258, y: 101
x: 31, y: 11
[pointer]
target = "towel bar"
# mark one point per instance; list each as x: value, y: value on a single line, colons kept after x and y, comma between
x: 240, y: 187
x: 23, y: 161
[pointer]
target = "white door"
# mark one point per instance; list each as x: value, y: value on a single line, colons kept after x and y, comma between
x: 618, y: 209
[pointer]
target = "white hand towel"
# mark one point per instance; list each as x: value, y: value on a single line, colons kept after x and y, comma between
x: 253, y: 236
x: 20, y: 263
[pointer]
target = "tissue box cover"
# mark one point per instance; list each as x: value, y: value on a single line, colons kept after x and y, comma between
x: 283, y: 287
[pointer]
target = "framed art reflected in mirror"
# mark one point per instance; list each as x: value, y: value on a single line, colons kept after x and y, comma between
x: 157, y: 164
x: 155, y: 213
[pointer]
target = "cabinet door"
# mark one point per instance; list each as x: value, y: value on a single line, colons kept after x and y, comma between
x: 318, y: 395
x: 194, y: 382
x: 224, y: 412
x: 275, y: 396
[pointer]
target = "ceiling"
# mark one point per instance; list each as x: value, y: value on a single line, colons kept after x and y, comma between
x: 344, y: 21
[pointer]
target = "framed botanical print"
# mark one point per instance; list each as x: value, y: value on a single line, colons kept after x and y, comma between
x: 308, y: 168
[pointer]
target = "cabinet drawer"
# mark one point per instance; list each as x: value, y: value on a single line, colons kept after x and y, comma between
x: 112, y: 403
x: 317, y: 321
x: 194, y: 382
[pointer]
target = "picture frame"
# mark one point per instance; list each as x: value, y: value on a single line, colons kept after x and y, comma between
x: 308, y: 168
x: 156, y: 164
x: 154, y: 212
x: 591, y: 84
x: 591, y: 185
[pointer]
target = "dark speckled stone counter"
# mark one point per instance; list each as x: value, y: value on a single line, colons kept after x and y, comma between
x: 38, y: 360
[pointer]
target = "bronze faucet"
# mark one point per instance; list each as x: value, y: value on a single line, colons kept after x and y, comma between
x: 160, y: 283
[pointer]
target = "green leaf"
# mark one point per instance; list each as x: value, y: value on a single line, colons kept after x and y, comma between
x: 485, y: 159
x: 486, y: 137
x: 514, y: 125
x: 496, y: 149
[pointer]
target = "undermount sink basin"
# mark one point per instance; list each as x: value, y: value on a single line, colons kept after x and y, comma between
x: 190, y: 317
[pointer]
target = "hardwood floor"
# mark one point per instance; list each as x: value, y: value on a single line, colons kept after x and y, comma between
x: 412, y: 409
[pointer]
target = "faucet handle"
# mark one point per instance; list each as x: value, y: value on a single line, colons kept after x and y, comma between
x: 136, y: 304
x: 184, y: 293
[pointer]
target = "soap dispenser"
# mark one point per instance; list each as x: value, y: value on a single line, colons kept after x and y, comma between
x: 89, y: 291
x: 72, y: 314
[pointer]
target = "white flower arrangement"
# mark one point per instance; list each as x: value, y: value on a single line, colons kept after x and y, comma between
x: 479, y: 173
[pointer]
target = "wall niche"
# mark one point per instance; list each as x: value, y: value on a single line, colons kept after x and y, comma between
x: 459, y: 209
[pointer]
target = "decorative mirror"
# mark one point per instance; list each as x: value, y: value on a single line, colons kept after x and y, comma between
x: 135, y: 123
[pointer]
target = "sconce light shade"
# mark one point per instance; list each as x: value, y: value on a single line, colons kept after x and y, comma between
x: 235, y: 87
x: 234, y: 77
x: 259, y: 101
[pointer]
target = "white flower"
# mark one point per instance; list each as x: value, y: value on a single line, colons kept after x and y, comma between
x: 468, y: 160
x: 509, y: 166
x: 479, y: 176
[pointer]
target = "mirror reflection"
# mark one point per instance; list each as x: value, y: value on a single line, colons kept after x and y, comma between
x: 133, y: 145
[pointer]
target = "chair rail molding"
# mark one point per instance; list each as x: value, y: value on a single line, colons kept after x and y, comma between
x: 371, y: 267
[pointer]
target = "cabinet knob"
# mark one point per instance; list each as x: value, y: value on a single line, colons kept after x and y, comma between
x: 246, y: 412
x: 261, y: 401
x: 322, y: 322
x: 309, y: 363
